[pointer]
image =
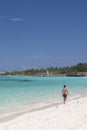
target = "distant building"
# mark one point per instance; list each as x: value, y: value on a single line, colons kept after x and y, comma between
x: 47, y: 72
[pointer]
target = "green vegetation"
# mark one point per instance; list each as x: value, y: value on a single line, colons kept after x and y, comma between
x: 77, y: 70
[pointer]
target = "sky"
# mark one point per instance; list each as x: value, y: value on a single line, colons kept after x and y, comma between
x: 42, y: 33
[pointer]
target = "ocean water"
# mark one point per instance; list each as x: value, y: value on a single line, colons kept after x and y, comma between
x: 25, y: 91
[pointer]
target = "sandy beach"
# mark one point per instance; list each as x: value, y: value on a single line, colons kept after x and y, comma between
x: 69, y: 116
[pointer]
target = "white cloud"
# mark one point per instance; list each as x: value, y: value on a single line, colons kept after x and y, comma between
x: 25, y: 67
x: 17, y: 19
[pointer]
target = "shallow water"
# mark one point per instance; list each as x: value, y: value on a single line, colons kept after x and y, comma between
x: 21, y: 91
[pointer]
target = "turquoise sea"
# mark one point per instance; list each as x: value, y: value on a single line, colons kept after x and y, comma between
x: 20, y: 92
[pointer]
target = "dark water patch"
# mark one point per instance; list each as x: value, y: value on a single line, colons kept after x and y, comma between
x: 17, y: 80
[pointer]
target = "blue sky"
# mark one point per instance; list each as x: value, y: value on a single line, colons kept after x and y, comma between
x: 42, y: 33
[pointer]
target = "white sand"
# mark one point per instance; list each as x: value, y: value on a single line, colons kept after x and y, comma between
x: 69, y: 116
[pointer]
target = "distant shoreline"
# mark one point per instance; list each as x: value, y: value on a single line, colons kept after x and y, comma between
x: 80, y: 74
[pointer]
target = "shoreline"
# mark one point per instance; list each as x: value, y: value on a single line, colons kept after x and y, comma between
x: 69, y: 116
x: 41, y: 106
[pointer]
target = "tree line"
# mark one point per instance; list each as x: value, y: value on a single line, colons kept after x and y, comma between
x: 68, y: 71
